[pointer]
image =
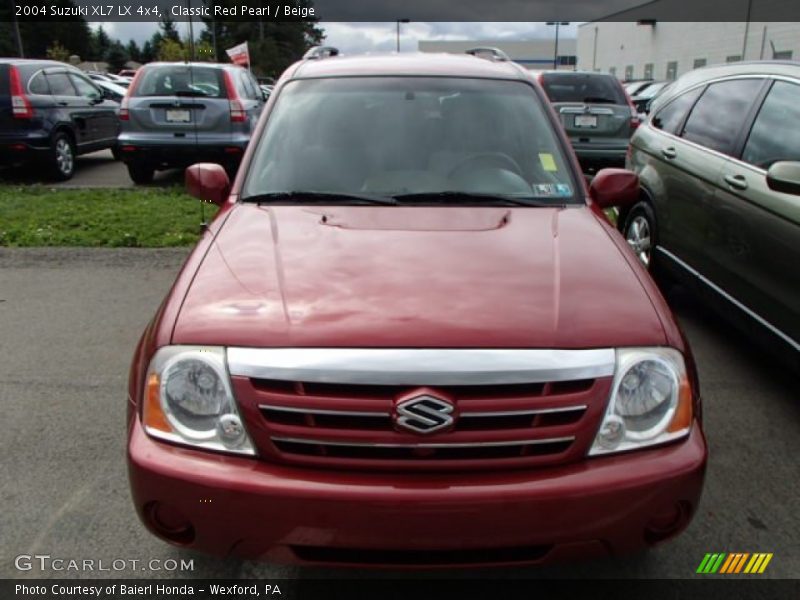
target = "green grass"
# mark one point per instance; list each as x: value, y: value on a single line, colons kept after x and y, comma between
x: 147, y: 218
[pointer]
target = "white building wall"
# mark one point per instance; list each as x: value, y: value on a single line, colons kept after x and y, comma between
x: 603, y: 46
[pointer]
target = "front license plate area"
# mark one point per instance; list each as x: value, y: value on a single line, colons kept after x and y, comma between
x: 179, y: 116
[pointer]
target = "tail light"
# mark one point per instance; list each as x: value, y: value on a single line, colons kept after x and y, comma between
x: 20, y: 105
x: 635, y: 121
x: 124, y: 113
x: 238, y: 114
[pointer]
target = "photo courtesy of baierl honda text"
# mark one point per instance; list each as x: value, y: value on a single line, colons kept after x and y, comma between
x: 342, y: 299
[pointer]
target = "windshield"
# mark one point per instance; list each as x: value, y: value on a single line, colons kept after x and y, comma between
x: 171, y: 80
x: 651, y: 91
x: 583, y: 87
x: 417, y: 137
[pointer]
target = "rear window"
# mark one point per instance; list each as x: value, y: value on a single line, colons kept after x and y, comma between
x: 181, y: 80
x: 584, y: 88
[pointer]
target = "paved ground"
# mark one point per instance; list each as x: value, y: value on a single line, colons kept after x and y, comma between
x: 69, y: 320
x: 98, y: 169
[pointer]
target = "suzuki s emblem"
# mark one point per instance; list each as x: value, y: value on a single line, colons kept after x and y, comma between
x: 424, y: 414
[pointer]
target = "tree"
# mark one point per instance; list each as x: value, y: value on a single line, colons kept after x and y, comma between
x: 37, y: 35
x: 148, y: 52
x: 56, y: 51
x: 116, y: 57
x: 133, y: 51
x: 168, y: 29
x: 273, y: 45
x: 100, y: 44
x: 171, y: 50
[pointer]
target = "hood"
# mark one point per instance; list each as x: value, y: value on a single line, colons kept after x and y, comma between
x: 364, y: 276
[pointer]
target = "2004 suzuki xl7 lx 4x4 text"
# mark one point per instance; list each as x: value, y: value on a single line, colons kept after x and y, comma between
x: 411, y: 337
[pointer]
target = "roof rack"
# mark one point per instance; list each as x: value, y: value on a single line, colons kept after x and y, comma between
x: 494, y: 53
x: 320, y: 52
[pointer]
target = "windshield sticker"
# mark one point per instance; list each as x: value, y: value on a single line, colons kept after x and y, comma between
x: 548, y: 162
x: 551, y: 190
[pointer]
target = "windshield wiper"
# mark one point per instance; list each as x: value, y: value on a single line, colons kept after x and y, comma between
x: 471, y: 198
x: 320, y: 197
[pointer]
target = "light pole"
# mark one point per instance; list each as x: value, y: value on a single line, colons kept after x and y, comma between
x: 555, y: 51
x: 398, y: 31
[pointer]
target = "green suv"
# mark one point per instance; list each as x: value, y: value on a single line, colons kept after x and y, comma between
x: 719, y: 166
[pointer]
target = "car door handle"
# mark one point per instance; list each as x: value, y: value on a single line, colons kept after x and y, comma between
x: 736, y: 181
x: 669, y: 152
x: 63, y: 103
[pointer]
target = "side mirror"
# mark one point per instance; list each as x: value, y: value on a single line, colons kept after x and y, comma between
x: 614, y: 187
x: 209, y: 182
x: 784, y: 176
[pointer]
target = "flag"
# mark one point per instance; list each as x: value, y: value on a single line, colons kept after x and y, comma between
x: 239, y: 54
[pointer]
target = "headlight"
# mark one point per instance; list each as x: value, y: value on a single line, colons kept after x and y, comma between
x: 650, y: 403
x: 188, y: 400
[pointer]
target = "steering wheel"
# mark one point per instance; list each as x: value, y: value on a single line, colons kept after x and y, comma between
x: 503, y: 160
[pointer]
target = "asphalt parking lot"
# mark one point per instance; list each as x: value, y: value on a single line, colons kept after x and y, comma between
x: 70, y: 320
x: 94, y: 170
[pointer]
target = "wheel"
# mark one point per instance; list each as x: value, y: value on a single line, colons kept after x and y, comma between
x: 641, y: 233
x: 140, y: 172
x: 62, y: 157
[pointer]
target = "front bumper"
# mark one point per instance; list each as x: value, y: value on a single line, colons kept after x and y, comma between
x: 252, y: 509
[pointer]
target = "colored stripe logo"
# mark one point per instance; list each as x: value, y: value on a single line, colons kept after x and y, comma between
x: 734, y: 563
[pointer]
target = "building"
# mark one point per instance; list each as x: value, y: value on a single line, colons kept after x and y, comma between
x: 653, y: 49
x: 532, y: 54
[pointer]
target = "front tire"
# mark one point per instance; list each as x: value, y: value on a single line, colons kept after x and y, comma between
x: 640, y: 231
x: 62, y: 157
x: 140, y: 173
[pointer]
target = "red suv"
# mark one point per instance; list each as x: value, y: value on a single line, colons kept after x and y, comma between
x: 411, y: 337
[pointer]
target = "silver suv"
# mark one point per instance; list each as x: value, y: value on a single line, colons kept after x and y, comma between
x: 596, y: 114
x: 176, y: 114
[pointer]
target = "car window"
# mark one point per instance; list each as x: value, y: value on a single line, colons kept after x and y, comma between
x: 670, y: 117
x: 171, y: 80
x: 60, y: 85
x: 776, y: 131
x: 716, y: 119
x: 84, y: 88
x: 411, y: 135
x: 38, y: 84
x: 589, y: 87
x: 245, y: 86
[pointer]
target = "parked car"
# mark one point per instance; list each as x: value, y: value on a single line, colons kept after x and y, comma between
x: 636, y: 86
x: 97, y: 77
x: 719, y: 162
x: 178, y: 113
x: 595, y: 112
x: 643, y: 99
x: 127, y: 73
x: 411, y: 337
x: 50, y: 112
x: 111, y: 91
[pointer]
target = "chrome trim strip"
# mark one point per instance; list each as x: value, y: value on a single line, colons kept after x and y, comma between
x: 418, y: 367
x: 356, y: 413
x: 520, y: 413
x: 425, y: 444
x: 731, y: 299
x: 321, y: 411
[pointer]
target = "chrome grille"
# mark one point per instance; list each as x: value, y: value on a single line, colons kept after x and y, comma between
x: 350, y: 424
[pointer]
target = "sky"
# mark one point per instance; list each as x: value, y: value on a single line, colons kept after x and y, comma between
x: 357, y: 38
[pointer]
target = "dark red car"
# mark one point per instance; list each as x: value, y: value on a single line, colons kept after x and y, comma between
x: 411, y: 337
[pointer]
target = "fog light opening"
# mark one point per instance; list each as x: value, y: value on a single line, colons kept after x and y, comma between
x: 668, y: 522
x: 170, y: 523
